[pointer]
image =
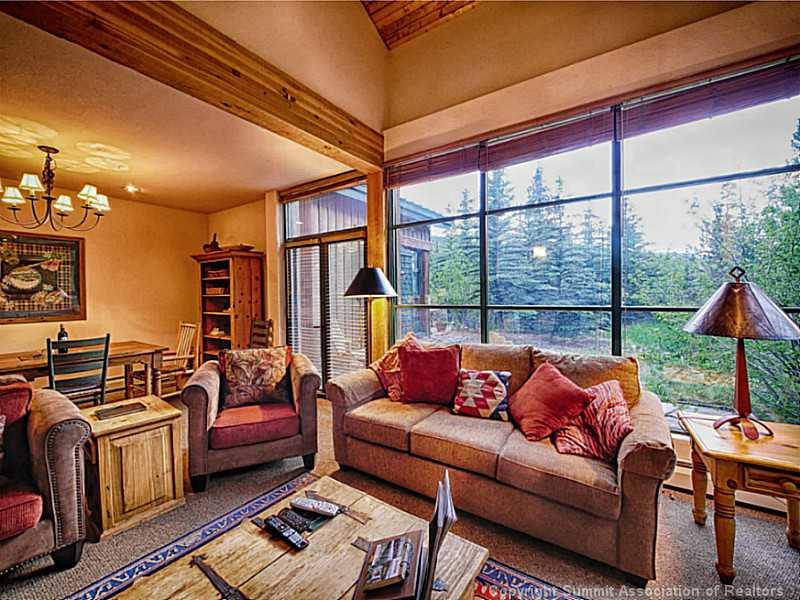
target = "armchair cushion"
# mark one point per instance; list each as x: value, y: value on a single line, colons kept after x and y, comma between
x: 20, y: 507
x: 253, y: 424
x: 15, y: 404
x: 2, y: 428
x: 647, y: 450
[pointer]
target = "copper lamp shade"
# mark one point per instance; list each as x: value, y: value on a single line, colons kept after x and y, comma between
x: 741, y: 310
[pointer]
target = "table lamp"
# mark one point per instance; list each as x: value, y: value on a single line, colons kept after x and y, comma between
x: 741, y: 310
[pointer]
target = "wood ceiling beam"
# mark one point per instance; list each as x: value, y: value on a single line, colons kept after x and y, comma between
x: 167, y: 43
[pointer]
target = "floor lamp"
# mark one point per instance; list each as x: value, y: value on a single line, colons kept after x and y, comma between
x: 370, y: 283
x: 741, y: 310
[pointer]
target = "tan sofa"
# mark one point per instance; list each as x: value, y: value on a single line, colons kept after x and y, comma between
x: 606, y: 512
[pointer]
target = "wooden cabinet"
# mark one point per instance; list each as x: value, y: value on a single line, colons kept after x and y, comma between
x: 231, y: 297
x: 134, y: 471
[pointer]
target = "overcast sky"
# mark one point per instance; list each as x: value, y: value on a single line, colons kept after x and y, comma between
x: 747, y: 140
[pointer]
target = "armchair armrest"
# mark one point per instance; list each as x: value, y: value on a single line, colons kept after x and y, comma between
x: 201, y: 397
x: 306, y: 382
x: 648, y: 450
x: 345, y: 393
x: 57, y: 432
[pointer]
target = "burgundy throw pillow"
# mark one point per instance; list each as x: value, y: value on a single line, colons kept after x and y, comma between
x: 387, y: 368
x: 546, y: 402
x: 15, y: 404
x: 429, y: 375
x: 599, y: 430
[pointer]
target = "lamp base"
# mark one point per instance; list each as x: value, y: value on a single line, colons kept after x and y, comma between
x: 746, y: 423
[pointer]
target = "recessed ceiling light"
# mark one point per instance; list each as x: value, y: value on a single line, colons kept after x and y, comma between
x: 131, y: 189
x: 298, y: 222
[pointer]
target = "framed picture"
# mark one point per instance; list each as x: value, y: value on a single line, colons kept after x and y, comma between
x: 42, y: 278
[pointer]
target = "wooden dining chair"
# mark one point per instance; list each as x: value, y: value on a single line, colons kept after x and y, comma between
x: 79, y: 368
x: 261, y: 334
x: 176, y: 366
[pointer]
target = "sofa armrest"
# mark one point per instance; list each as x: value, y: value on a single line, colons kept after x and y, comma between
x: 57, y: 433
x: 306, y: 382
x: 346, y: 392
x: 648, y: 450
x: 201, y: 397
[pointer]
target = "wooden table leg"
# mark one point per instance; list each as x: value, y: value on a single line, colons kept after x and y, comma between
x: 724, y: 531
x: 699, y: 488
x: 793, y: 522
x: 148, y: 379
x: 128, y: 380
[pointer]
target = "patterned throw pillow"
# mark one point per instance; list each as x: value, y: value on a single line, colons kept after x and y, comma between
x: 482, y: 394
x: 253, y: 375
x: 387, y: 368
x: 2, y: 427
x: 599, y: 430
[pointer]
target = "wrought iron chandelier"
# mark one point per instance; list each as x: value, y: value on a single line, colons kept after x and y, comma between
x: 55, y: 210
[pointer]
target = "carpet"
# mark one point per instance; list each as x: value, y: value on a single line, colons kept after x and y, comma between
x: 495, y: 582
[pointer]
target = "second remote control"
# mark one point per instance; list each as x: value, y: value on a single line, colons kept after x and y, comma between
x: 280, y: 529
x: 316, y: 506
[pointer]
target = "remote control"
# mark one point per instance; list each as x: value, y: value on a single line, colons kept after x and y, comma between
x: 294, y: 520
x: 278, y: 528
x: 316, y: 506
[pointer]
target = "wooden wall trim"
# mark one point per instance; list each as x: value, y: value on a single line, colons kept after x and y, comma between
x: 321, y: 186
x: 595, y: 105
x: 167, y: 43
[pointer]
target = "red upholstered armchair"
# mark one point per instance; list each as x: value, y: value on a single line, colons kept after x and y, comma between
x: 41, y: 476
x: 227, y: 438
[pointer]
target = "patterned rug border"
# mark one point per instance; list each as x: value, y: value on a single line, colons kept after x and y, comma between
x: 149, y: 563
x: 518, y: 585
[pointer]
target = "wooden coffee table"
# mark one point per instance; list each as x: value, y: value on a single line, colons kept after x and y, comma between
x: 261, y: 567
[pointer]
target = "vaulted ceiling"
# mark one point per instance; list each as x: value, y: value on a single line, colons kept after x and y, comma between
x: 398, y: 21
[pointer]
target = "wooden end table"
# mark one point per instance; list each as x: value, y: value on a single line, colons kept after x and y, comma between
x: 134, y: 469
x: 769, y: 465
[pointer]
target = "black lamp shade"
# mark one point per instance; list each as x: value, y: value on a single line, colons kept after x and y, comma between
x: 370, y: 282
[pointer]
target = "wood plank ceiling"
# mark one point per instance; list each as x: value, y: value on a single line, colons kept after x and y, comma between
x: 398, y: 21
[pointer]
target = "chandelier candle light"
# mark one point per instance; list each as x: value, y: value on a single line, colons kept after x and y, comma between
x: 57, y: 209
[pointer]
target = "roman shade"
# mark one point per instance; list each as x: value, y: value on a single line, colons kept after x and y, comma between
x: 712, y: 99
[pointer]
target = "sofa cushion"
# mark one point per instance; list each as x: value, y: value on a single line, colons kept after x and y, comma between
x: 20, y: 507
x: 429, y: 375
x: 536, y: 467
x: 586, y: 371
x: 253, y: 424
x: 470, y: 443
x: 497, y: 357
x: 385, y: 422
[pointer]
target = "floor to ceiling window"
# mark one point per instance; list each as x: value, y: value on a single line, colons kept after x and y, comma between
x: 604, y: 233
x: 325, y: 248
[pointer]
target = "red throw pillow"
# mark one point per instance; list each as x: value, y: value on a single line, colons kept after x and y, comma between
x: 546, y: 402
x: 599, y: 430
x: 387, y: 368
x: 429, y: 375
x: 15, y: 404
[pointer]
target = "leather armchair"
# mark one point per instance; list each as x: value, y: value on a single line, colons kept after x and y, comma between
x: 228, y: 438
x: 51, y: 442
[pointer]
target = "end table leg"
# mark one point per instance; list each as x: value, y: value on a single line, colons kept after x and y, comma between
x: 724, y: 531
x: 793, y: 522
x: 699, y: 487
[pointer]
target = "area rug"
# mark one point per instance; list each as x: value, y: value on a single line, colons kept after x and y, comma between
x: 496, y: 581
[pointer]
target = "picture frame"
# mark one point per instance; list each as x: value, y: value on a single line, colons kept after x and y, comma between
x: 42, y: 277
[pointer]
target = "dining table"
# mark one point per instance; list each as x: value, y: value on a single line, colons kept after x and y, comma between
x: 33, y: 363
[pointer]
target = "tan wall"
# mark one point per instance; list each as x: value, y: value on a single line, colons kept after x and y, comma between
x: 499, y: 44
x: 724, y: 39
x: 240, y: 225
x: 140, y: 279
x: 331, y: 47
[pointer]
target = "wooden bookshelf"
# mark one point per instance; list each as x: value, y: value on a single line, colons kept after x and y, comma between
x: 231, y: 297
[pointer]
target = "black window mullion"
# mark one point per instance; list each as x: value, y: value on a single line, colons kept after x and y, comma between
x: 616, y: 233
x: 484, y: 269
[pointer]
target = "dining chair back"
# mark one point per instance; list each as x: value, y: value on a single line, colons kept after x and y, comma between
x: 79, y: 368
x: 261, y: 334
x: 186, y: 348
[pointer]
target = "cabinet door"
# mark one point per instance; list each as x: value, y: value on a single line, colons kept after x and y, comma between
x: 140, y: 471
